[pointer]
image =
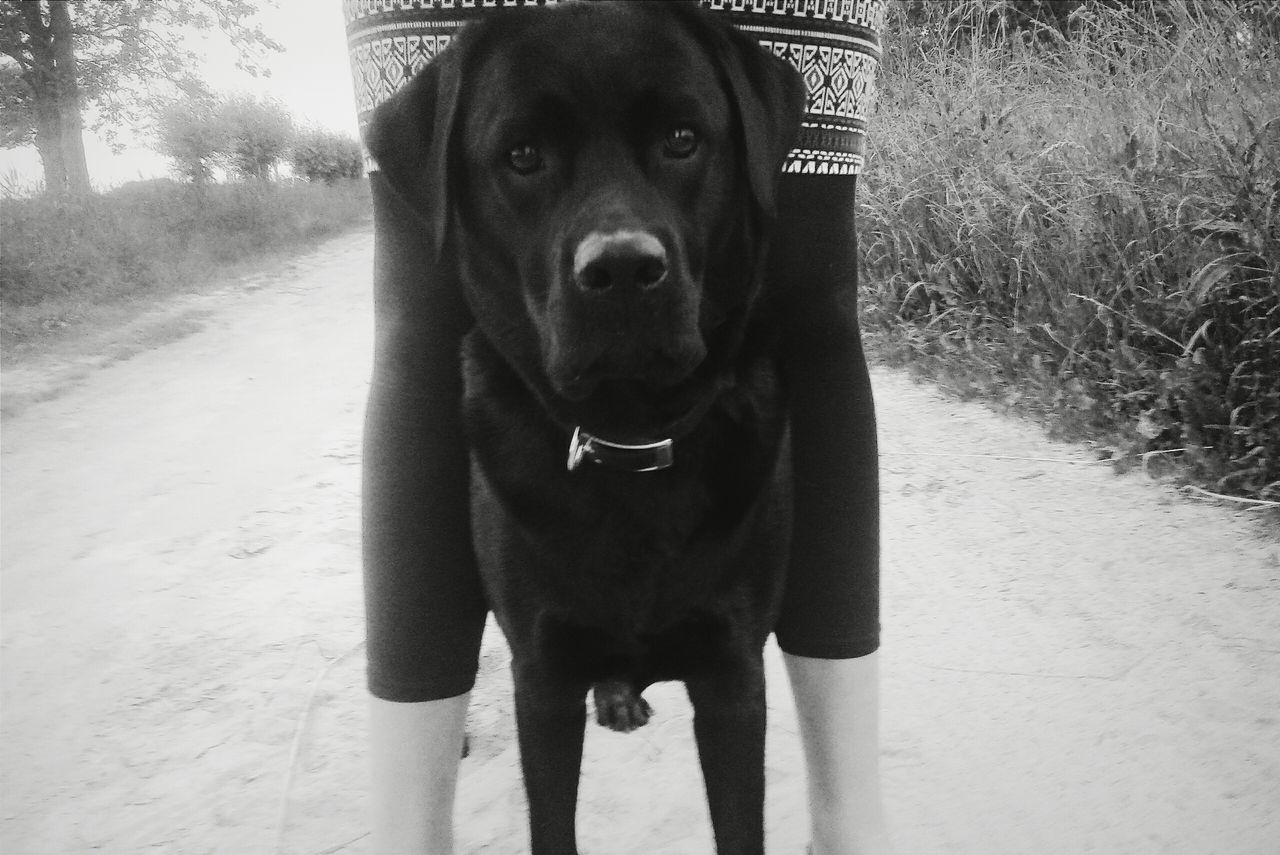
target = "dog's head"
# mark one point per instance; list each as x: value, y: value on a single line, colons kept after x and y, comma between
x: 602, y: 175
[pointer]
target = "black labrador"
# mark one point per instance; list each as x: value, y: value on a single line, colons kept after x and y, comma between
x: 601, y: 177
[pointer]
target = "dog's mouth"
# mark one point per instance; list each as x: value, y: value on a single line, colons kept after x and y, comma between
x: 628, y: 378
x: 657, y: 374
x: 630, y: 409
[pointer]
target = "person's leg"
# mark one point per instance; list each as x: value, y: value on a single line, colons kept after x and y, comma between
x: 829, y: 627
x: 415, y: 749
x: 424, y: 604
x: 837, y: 704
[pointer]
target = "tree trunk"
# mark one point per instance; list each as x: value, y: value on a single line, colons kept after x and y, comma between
x: 49, y: 142
x: 71, y: 125
x: 52, y: 77
x: 44, y: 93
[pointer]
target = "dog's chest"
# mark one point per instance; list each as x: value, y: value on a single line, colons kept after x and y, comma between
x: 625, y: 547
x: 621, y: 549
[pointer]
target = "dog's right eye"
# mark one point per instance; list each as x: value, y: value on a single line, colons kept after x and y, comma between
x: 681, y: 142
x: 525, y: 158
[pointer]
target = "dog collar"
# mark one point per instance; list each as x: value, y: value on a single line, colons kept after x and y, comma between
x: 646, y: 457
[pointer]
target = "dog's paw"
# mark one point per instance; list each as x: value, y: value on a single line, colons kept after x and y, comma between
x: 619, y: 708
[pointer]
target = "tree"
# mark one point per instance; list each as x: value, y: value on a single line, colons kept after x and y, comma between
x: 116, y: 55
x: 246, y: 135
x: 258, y: 135
x: 47, y: 58
x: 189, y: 133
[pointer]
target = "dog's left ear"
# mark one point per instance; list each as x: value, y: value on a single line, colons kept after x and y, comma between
x: 769, y: 97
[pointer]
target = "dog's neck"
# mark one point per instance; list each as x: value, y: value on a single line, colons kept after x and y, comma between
x: 638, y: 457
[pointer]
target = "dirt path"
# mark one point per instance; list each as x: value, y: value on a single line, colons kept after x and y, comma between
x: 1074, y: 662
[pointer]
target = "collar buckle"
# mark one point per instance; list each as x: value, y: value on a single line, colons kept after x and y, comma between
x: 643, y: 457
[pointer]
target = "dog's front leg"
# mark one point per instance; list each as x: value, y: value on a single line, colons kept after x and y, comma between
x: 550, y: 719
x: 729, y: 725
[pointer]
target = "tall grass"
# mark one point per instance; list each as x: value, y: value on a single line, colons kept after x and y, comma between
x: 63, y: 260
x: 1085, y: 223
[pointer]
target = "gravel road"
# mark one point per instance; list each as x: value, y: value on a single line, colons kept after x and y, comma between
x: 1074, y: 662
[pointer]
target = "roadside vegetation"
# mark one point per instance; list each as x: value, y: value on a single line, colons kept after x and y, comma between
x: 250, y: 186
x: 1072, y: 208
x: 74, y: 259
x: 69, y: 263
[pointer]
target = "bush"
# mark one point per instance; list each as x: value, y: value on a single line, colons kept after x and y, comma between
x: 322, y: 155
x: 1086, y: 224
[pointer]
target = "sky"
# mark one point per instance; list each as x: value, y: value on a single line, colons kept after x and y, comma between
x: 310, y: 77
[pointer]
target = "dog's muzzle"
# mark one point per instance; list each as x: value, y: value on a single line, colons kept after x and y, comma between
x: 625, y: 311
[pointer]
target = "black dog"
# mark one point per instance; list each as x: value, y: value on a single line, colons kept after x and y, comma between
x: 601, y: 177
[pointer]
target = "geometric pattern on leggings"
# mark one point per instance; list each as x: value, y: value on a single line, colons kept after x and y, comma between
x: 834, y: 44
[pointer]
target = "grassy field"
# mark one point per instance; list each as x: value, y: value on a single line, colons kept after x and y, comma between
x: 70, y: 265
x: 1085, y: 225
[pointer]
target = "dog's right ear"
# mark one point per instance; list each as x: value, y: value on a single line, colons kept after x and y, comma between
x: 409, y: 138
x: 768, y: 96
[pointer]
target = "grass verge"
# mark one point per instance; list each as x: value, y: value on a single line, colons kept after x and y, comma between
x: 1084, y: 224
x: 73, y: 265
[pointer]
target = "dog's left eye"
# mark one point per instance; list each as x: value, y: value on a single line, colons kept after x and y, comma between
x: 525, y: 158
x: 680, y: 142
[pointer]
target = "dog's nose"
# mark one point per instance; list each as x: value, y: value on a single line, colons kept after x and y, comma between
x: 620, y: 259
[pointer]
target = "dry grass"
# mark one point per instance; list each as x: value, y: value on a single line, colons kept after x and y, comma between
x: 1086, y: 225
x: 67, y: 266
